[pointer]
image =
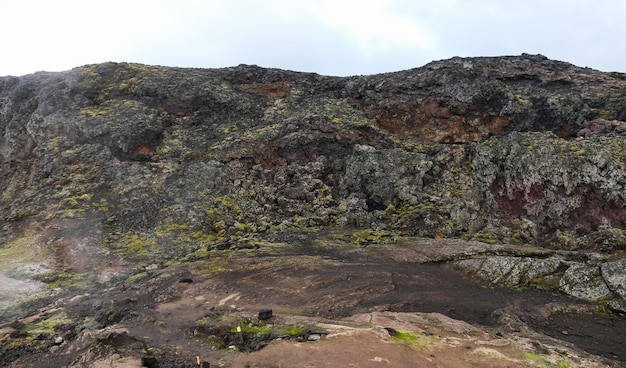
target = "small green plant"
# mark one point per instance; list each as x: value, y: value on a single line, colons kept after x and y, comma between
x: 411, y: 339
x: 151, y: 350
x: 245, y: 326
x: 226, y: 332
x: 604, y: 309
x: 536, y: 359
x: 562, y: 352
x: 562, y: 363
x: 137, y: 277
x: 291, y: 331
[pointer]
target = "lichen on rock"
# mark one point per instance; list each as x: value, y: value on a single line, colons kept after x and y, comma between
x: 141, y: 167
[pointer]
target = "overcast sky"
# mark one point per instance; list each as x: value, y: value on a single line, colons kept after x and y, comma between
x: 332, y: 37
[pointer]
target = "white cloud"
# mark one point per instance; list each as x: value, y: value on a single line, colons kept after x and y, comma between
x: 57, y: 35
x: 372, y: 25
x: 337, y: 37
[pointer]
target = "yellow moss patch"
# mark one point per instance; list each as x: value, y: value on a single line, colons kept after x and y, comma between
x: 414, y: 340
x: 47, y: 325
x: 20, y: 251
x: 365, y: 237
x: 134, y: 245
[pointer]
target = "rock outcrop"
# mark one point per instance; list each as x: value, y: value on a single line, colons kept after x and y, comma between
x: 516, y: 149
x: 117, y: 168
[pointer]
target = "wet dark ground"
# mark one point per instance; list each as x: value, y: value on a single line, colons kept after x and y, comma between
x: 375, y: 283
x: 438, y: 288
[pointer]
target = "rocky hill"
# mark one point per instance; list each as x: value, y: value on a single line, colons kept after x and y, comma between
x: 116, y: 170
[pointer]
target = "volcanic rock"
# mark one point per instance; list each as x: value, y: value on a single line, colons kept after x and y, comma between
x: 113, y: 175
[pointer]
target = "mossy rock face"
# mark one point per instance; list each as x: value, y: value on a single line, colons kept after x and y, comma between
x: 552, y: 183
x: 43, y: 333
x: 167, y: 163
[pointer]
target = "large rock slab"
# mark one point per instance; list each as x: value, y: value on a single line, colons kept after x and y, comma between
x: 514, y: 271
x: 614, y: 274
x: 585, y: 282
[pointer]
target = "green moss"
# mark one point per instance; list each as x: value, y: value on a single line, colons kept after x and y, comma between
x: 563, y: 363
x: 106, y: 109
x: 8, y: 344
x: 366, y: 237
x: 199, y: 254
x: 238, y: 325
x: 209, y: 266
x: 562, y: 240
x: 487, y: 237
x: 227, y: 202
x: 22, y: 250
x: 289, y: 330
x: 224, y: 328
x: 225, y: 129
x: 424, y: 219
x: 227, y: 218
x: 134, y: 245
x: 47, y: 326
x: 299, y: 222
x: 121, y: 79
x: 151, y: 350
x: 174, y: 228
x: 536, y: 359
x: 604, y: 310
x: 210, y: 320
x: 200, y: 236
x: 36, y: 335
x: 62, y: 278
x: 605, y: 240
x: 139, y: 245
x: 137, y: 277
x: 617, y: 147
x: 594, y: 113
x: 102, y: 205
x: 543, y: 283
x: 412, y: 339
x: 518, y: 238
x: 522, y: 100
x: 539, y: 361
x: 245, y: 326
x: 184, y: 236
x: 78, y: 200
x: 241, y: 227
